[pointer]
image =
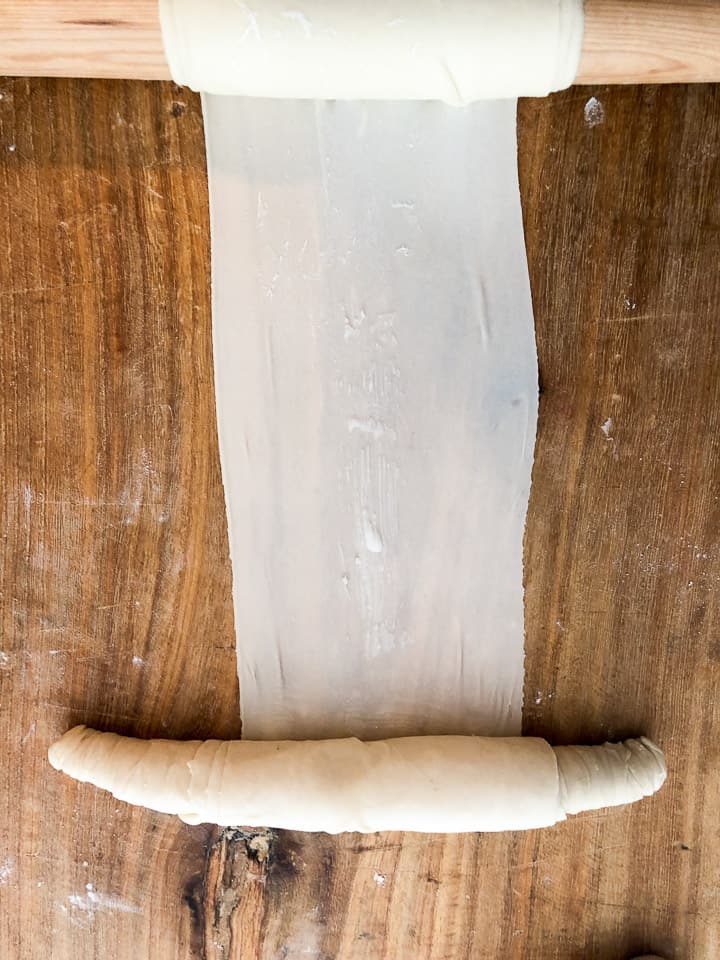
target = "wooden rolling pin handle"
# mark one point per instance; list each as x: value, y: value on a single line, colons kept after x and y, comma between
x: 626, y: 41
x: 651, y: 41
x: 119, y: 39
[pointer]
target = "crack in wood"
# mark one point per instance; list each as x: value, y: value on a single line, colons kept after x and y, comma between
x: 236, y: 865
x: 239, y: 901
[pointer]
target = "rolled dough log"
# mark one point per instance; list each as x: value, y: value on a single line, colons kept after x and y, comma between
x: 457, y: 50
x: 429, y: 784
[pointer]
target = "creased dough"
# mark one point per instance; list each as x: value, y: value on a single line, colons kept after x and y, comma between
x: 428, y: 784
x: 456, y: 50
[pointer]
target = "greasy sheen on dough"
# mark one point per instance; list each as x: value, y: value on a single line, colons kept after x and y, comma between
x: 457, y: 51
x: 441, y: 784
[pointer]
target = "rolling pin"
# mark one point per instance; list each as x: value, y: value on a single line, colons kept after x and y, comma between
x: 625, y: 41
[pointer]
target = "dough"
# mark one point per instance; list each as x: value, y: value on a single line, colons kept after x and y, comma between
x: 428, y: 784
x: 376, y: 382
x: 456, y: 50
x: 592, y: 777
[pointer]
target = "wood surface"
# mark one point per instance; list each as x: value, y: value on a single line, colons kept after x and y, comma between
x: 625, y: 41
x: 115, y: 587
x: 82, y: 38
x: 650, y: 41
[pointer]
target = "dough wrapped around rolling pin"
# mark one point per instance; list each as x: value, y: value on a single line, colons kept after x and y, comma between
x: 446, y: 784
x: 457, y: 50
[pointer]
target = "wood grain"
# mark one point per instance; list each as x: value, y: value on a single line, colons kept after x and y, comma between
x: 114, y: 549
x: 650, y: 41
x: 640, y: 41
x: 82, y: 38
x: 114, y: 574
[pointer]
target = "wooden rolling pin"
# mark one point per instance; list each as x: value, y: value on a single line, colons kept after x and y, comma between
x: 626, y: 41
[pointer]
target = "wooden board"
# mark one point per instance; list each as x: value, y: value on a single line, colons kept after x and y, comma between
x: 115, y: 591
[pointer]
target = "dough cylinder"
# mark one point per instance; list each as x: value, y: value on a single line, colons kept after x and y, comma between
x: 606, y: 776
x: 457, y: 51
x: 447, y: 784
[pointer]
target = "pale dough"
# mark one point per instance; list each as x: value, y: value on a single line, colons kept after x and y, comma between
x: 428, y: 784
x: 376, y: 383
x: 457, y: 51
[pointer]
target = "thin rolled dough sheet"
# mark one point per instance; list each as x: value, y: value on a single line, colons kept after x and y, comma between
x: 377, y: 401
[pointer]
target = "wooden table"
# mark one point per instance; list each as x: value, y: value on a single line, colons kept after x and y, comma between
x: 115, y: 593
